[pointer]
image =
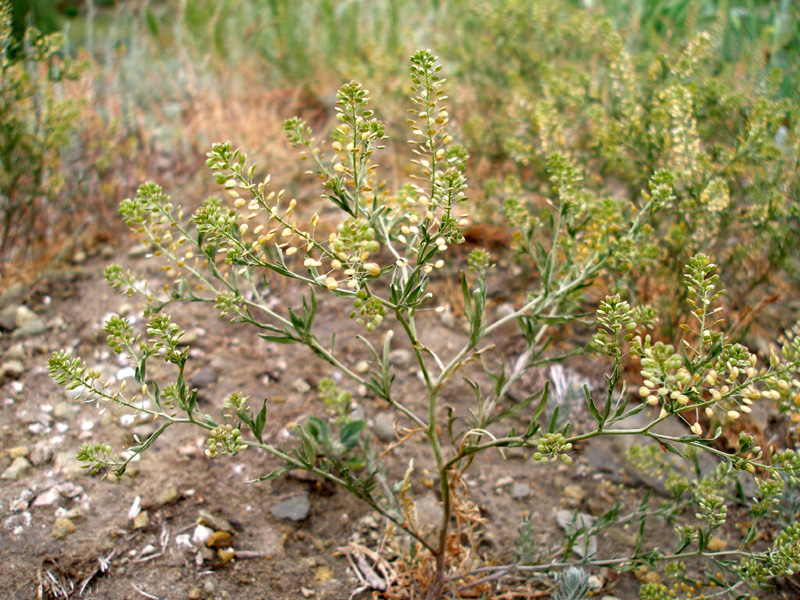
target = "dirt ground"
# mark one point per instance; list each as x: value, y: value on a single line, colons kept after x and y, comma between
x: 67, y: 534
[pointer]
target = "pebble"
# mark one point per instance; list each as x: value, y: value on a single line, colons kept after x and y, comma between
x: 301, y: 386
x: 214, y: 522
x: 42, y: 454
x: 323, y: 574
x: 168, y: 496
x: 295, y: 508
x: 189, y: 338
x: 79, y: 257
x: 361, y: 367
x: 384, y: 427
x: 13, y: 296
x: 27, y: 323
x: 51, y: 497
x: 8, y: 320
x: 195, y: 593
x: 12, y: 369
x: 15, y: 352
x: 226, y: 554
x: 219, y: 539
x: 141, y: 520
x: 70, y: 466
x: 201, y: 535
x: 307, y: 593
x: 18, y: 451
x: 66, y: 410
x: 716, y: 544
x: 520, y: 490
x: 17, y: 470
x: 24, y: 315
x: 574, y: 492
x: 125, y: 309
x: 400, y: 358
x: 139, y: 250
x: 595, y: 583
x: 62, y: 528
x: 204, y: 377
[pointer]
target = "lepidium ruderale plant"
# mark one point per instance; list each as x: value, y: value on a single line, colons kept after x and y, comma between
x: 378, y: 261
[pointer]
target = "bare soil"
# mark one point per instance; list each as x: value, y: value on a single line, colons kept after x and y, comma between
x: 110, y: 556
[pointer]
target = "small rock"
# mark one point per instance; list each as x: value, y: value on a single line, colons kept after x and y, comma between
x: 27, y: 323
x: 70, y: 466
x: 42, y: 454
x: 226, y: 554
x: 361, y: 367
x: 595, y: 583
x: 13, y: 296
x: 307, y: 593
x: 62, y: 528
x: 141, y: 520
x: 400, y: 358
x: 139, y: 250
x: 574, y: 492
x: 168, y: 496
x: 301, y: 386
x: 189, y: 338
x: 125, y: 309
x: 195, y: 593
x: 219, y: 539
x: 37, y: 327
x: 11, y: 369
x: 716, y: 544
x: 57, y: 324
x: 8, y: 320
x: 323, y: 574
x: 15, y: 352
x: 51, y: 497
x: 201, y: 535
x: 17, y: 470
x: 214, y: 522
x: 18, y: 451
x: 209, y: 587
x: 295, y: 508
x: 66, y: 410
x: 79, y: 257
x: 25, y: 315
x: 609, y: 598
x: 520, y: 490
x: 107, y: 251
x: 204, y: 377
x: 384, y: 427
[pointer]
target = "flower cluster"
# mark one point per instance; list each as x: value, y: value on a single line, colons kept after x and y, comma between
x: 553, y: 446
x: 224, y: 439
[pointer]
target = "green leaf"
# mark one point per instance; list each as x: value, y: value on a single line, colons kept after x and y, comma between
x: 274, y: 474
x: 553, y: 421
x: 543, y: 402
x: 259, y: 422
x: 350, y: 433
x: 592, y: 408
